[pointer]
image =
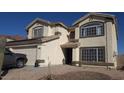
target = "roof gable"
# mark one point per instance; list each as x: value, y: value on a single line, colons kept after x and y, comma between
x: 37, y: 20
x: 45, y: 22
x: 94, y: 14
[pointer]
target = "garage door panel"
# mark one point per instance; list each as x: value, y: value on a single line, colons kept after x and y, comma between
x: 29, y: 52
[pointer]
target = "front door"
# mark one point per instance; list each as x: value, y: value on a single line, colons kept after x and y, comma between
x: 68, y: 57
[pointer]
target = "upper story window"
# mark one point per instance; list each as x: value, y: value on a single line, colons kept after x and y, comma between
x: 38, y: 31
x: 72, y: 35
x: 92, y: 29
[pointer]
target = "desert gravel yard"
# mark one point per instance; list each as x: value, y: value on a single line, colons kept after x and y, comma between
x: 64, y: 72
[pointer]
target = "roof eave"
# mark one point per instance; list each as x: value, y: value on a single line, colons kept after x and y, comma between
x: 46, y: 22
x: 60, y: 23
x: 33, y: 41
x: 92, y: 14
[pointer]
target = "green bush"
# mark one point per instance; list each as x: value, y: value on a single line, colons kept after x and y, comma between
x: 2, y: 49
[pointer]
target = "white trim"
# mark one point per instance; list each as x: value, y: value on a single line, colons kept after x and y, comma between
x: 92, y: 26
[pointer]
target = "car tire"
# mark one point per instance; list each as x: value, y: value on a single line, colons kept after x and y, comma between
x: 20, y: 63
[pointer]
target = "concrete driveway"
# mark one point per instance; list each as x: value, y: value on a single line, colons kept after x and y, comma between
x: 32, y: 73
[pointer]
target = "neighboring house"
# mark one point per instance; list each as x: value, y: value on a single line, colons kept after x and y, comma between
x: 11, y: 38
x: 92, y: 40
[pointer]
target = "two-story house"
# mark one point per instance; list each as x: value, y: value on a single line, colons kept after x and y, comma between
x: 92, y: 40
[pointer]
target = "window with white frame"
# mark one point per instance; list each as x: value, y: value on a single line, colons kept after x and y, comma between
x: 92, y: 29
x: 96, y: 54
x: 38, y: 31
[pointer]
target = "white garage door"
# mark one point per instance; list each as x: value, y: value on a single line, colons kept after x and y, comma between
x: 30, y: 52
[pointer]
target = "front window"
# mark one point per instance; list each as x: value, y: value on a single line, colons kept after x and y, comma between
x: 92, y: 29
x: 38, y: 31
x: 96, y: 54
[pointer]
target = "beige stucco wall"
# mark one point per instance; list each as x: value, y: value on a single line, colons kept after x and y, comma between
x: 75, y: 55
x: 111, y: 43
x: 63, y: 38
x: 50, y: 31
x: 115, y: 48
x: 108, y: 40
x: 51, y: 52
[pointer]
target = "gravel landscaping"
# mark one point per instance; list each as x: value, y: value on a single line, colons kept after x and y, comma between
x: 80, y: 75
x: 64, y: 72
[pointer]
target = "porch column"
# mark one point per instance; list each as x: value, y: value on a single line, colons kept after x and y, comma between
x: 75, y: 54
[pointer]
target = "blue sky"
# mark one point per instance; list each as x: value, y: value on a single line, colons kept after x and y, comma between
x: 15, y: 23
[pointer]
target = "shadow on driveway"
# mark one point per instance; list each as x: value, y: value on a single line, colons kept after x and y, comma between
x: 4, y: 73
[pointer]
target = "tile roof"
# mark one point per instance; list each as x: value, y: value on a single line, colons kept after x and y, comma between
x: 73, y: 43
x: 33, y: 41
x: 14, y: 37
